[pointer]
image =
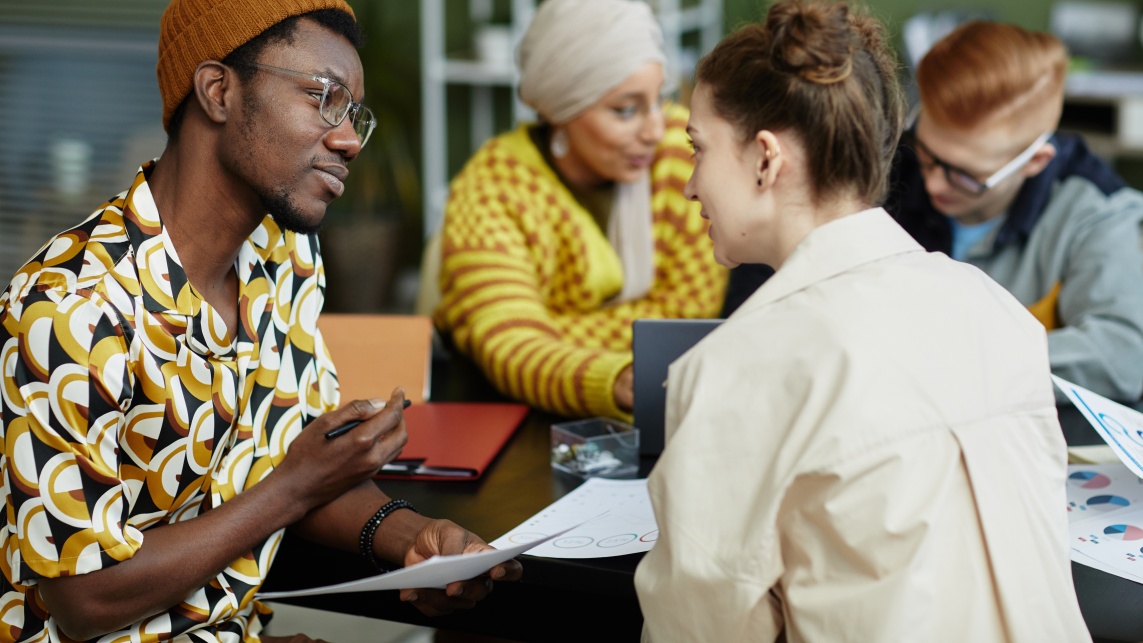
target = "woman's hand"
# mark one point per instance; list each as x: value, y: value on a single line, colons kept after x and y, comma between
x: 624, y: 389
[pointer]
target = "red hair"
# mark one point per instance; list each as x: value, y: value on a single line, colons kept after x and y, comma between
x: 990, y: 72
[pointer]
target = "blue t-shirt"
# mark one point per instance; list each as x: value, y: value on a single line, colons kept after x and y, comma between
x: 966, y: 236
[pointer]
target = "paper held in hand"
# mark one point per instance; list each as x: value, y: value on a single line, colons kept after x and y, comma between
x: 1120, y: 426
x: 436, y: 572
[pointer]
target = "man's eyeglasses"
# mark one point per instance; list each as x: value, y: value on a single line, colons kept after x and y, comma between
x: 969, y: 184
x: 336, y: 103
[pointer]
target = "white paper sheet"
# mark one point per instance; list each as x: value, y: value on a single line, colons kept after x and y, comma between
x: 616, y: 515
x: 1115, y: 541
x: 1121, y: 427
x: 1101, y: 495
x: 436, y: 572
x: 1105, y: 501
x: 1102, y: 490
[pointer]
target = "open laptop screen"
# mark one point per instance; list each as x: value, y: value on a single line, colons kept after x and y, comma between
x: 655, y: 344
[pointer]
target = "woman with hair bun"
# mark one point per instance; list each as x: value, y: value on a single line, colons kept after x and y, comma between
x: 559, y: 234
x: 868, y: 448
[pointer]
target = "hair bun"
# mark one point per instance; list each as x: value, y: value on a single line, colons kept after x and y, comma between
x: 815, y: 42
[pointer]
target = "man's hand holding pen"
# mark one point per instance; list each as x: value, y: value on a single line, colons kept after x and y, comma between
x: 324, y: 468
x: 345, y: 428
x: 344, y: 448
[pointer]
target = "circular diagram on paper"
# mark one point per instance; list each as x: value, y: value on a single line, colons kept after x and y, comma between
x: 526, y: 537
x: 1107, y: 503
x: 1123, y: 532
x: 573, y: 542
x: 1089, y: 480
x: 616, y: 541
x: 650, y: 536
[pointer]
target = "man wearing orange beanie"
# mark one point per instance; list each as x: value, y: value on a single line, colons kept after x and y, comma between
x: 166, y: 394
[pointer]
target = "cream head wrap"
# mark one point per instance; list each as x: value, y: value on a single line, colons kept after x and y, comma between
x: 573, y: 53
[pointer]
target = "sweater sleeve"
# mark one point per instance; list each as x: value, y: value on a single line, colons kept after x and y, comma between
x: 689, y: 283
x: 491, y: 302
x: 523, y: 276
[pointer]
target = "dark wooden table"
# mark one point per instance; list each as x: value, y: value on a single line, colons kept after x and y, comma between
x: 577, y: 600
x: 556, y: 600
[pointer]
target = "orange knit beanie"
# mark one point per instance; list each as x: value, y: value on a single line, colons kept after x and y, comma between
x: 192, y: 31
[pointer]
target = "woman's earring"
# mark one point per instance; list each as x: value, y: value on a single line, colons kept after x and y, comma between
x: 759, y: 182
x: 559, y: 143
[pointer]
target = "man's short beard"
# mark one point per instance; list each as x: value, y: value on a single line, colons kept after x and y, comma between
x: 279, y: 205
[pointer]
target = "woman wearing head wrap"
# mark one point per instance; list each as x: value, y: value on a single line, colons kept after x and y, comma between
x: 867, y: 449
x: 558, y: 235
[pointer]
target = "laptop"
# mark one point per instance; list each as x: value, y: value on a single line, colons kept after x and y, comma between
x: 656, y: 343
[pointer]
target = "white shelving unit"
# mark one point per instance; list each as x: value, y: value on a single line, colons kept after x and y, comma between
x: 439, y: 71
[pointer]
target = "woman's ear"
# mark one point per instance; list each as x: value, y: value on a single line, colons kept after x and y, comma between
x: 768, y: 158
x: 213, y: 84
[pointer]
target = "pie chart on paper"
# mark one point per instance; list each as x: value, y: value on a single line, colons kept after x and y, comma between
x: 1123, y: 532
x: 1107, y: 503
x: 1089, y: 480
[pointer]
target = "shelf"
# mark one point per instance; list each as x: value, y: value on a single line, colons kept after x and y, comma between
x: 1103, y: 84
x: 472, y: 72
x: 481, y: 78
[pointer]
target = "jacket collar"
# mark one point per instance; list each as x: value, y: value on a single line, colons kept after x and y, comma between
x: 1072, y: 158
x: 909, y: 200
x: 832, y: 249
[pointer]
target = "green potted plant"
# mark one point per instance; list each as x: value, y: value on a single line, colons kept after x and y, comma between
x: 374, y: 230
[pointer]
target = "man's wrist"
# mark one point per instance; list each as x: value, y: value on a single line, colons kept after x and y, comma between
x: 365, y: 539
x: 396, y: 535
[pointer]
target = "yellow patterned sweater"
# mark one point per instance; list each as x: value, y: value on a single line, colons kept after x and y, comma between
x: 526, y: 273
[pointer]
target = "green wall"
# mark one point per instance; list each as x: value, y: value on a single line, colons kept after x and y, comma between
x: 1031, y: 14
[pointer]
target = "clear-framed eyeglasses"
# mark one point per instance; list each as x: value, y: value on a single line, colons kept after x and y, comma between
x: 964, y: 181
x: 336, y: 103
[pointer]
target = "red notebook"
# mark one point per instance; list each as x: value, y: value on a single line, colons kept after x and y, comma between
x: 453, y: 440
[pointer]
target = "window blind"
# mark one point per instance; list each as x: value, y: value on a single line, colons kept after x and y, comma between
x: 79, y: 111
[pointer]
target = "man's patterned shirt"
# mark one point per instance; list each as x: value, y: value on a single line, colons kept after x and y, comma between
x: 125, y: 405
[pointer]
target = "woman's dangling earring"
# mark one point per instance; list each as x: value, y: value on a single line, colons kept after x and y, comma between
x: 559, y: 143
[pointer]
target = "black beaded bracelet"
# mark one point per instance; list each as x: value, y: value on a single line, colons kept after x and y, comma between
x: 365, y: 542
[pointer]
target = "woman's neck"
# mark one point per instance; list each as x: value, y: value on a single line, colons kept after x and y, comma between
x: 804, y: 216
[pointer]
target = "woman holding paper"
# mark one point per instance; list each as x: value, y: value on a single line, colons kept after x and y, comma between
x: 559, y: 234
x: 867, y: 449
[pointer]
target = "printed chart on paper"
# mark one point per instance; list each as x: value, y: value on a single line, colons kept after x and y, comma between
x: 618, y: 515
x: 1105, y: 501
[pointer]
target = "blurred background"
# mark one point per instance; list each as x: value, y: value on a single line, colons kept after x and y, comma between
x: 80, y: 110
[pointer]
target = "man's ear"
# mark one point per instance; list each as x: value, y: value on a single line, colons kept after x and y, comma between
x: 1040, y: 160
x: 214, y: 89
x: 769, y: 158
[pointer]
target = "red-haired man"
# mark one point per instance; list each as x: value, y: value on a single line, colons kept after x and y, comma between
x: 987, y: 179
x: 984, y: 177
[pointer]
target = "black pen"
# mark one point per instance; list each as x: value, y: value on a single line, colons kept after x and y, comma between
x: 344, y: 428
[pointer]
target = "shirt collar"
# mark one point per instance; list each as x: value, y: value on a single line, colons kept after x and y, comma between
x: 832, y: 249
x: 162, y: 279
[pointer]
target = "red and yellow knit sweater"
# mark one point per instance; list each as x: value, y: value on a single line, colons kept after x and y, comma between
x: 526, y: 273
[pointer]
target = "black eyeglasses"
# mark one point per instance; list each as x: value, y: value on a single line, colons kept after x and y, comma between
x: 964, y: 181
x: 336, y: 103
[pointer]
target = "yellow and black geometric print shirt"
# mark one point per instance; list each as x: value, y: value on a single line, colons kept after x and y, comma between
x: 126, y: 406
